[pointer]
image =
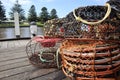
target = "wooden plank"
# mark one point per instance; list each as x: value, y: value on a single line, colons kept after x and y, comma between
x: 0, y: 44
x: 12, y: 49
x: 32, y: 74
x: 21, y: 55
x: 41, y: 72
x: 5, y: 54
x: 10, y: 44
x: 14, y: 65
x: 56, y: 75
x: 20, y: 43
x: 13, y: 43
x: 15, y: 71
x: 21, y: 76
x: 17, y: 44
x: 59, y: 76
x: 67, y: 78
x: 12, y: 61
x: 3, y: 45
x: 27, y: 75
x: 11, y: 53
x: 23, y: 42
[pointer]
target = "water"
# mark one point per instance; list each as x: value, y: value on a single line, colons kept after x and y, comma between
x: 8, y: 33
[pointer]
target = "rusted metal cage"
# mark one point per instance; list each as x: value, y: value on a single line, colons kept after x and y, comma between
x: 91, y: 50
x: 41, y: 51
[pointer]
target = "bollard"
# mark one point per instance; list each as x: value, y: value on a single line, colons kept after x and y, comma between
x: 33, y: 29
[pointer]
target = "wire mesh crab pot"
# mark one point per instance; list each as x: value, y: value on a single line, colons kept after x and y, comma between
x: 92, y: 51
x: 41, y: 51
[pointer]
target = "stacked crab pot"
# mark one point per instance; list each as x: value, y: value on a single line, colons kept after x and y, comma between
x: 94, y: 54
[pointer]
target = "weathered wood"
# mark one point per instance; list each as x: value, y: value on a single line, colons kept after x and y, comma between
x: 13, y: 43
x: 10, y: 44
x: 3, y: 44
x: 56, y: 75
x: 67, y: 78
x: 14, y: 65
x: 15, y: 71
x: 13, y: 57
x: 37, y: 74
x: 13, y: 61
x: 21, y: 76
x: 42, y: 72
x: 17, y: 49
x: 8, y: 54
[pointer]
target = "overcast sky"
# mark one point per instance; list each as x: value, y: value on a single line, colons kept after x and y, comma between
x: 63, y: 7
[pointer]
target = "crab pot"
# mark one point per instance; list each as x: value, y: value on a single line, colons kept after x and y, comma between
x: 41, y: 53
x: 91, y: 50
x: 89, y: 59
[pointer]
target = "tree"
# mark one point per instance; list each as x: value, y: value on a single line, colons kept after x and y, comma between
x: 2, y: 12
x: 53, y: 14
x: 17, y: 8
x: 32, y: 16
x: 44, y: 15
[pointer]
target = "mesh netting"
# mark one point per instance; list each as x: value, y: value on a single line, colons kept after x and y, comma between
x: 41, y: 51
x: 102, y: 31
x: 109, y: 28
x: 52, y: 27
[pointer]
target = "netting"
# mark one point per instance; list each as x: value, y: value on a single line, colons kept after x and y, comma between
x: 41, y: 51
x: 107, y: 29
x: 79, y: 23
x: 91, y: 47
x: 52, y: 28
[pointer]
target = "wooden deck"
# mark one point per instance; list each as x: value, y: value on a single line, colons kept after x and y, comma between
x: 14, y: 64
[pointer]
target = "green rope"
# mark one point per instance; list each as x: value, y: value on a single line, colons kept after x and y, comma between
x: 57, y: 58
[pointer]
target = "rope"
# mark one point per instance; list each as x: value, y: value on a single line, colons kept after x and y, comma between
x: 57, y: 58
x: 44, y: 60
x: 99, y: 21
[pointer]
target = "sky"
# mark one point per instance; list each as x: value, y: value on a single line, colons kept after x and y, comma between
x: 63, y: 7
